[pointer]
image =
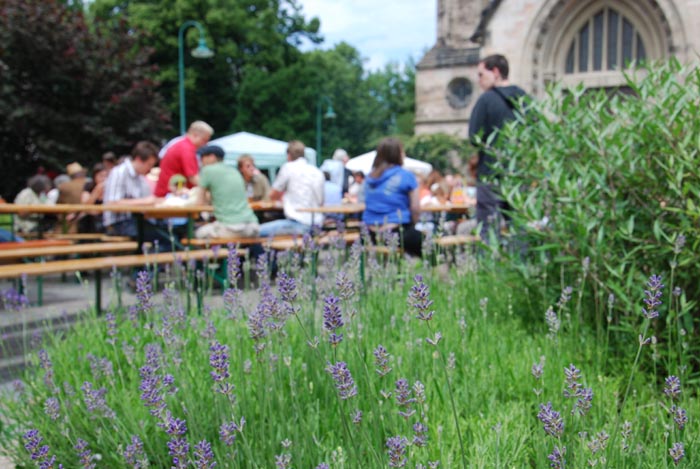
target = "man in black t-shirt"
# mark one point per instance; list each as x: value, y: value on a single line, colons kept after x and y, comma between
x: 493, y: 109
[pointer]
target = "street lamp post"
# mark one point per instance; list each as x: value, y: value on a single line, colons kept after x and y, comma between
x: 202, y: 51
x: 330, y: 114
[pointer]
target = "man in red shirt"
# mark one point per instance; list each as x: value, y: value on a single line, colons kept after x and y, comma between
x: 181, y: 157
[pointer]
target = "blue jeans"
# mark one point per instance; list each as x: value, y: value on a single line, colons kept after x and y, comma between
x: 283, y: 226
x: 151, y: 232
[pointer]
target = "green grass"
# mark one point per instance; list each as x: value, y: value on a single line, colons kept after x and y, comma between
x: 493, y: 331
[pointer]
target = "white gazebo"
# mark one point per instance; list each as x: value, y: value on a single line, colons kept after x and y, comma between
x: 364, y: 163
x: 269, y: 154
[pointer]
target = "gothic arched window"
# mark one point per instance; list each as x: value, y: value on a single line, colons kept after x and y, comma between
x: 607, y: 41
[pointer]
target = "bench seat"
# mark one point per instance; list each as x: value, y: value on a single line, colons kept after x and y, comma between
x: 37, y: 243
x: 97, y: 264
x: 241, y: 241
x: 67, y: 250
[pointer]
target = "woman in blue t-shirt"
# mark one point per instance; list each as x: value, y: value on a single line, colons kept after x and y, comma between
x: 391, y: 197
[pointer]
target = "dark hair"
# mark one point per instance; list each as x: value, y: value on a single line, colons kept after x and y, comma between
x: 97, y: 167
x: 496, y: 61
x: 295, y: 149
x: 389, y: 153
x: 109, y: 156
x: 39, y: 183
x: 144, y: 150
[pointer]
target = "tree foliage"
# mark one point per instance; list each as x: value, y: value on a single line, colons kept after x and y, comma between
x: 69, y: 90
x: 249, y: 37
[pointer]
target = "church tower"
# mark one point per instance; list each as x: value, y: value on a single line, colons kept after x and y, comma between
x: 445, y: 75
x: 572, y: 42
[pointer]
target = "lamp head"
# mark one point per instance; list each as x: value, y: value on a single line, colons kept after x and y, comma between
x: 202, y: 51
x: 330, y: 113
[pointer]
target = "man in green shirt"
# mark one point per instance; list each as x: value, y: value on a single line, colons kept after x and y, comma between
x: 234, y: 217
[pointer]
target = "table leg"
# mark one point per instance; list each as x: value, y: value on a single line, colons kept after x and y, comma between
x: 190, y: 231
x: 140, y: 232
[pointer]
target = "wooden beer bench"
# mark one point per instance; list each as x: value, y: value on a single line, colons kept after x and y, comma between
x: 98, y: 264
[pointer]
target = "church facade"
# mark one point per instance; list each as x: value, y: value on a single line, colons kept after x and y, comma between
x: 570, y: 41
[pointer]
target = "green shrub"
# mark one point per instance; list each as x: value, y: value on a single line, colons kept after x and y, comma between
x: 615, y: 176
x: 447, y: 153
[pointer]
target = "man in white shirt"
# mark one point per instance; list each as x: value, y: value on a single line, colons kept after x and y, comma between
x: 299, y: 185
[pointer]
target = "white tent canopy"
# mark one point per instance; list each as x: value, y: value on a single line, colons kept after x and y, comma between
x: 268, y: 153
x: 364, y: 163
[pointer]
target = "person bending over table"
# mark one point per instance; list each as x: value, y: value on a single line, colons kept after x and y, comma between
x: 299, y: 185
x: 126, y: 185
x: 234, y: 217
x: 391, y: 197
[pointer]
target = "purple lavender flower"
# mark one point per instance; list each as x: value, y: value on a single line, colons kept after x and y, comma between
x: 203, y: 455
x: 52, y: 408
x: 404, y: 399
x: 95, y: 401
x: 419, y: 299
x: 419, y: 392
x: 565, y: 296
x: 144, y: 292
x: 287, y: 287
x: 218, y: 359
x: 420, y: 434
x: 679, y: 244
x: 178, y: 447
x: 552, y: 321
x: 679, y: 416
x: 599, y: 442
x: 652, y: 297
x: 134, y: 455
x: 673, y: 387
x: 233, y: 265
x: 396, y: 448
x: 357, y: 417
x: 557, y: 457
x: 323, y: 465
x: 111, y: 328
x: 228, y: 430
x: 13, y: 300
x: 573, y: 385
x: 381, y: 360
x: 283, y: 461
x: 537, y: 369
x: 584, y: 402
x: 553, y: 423
x: 343, y: 380
x: 84, y: 454
x: 332, y: 319
x: 18, y: 386
x: 38, y: 452
x: 345, y: 286
x: 677, y: 452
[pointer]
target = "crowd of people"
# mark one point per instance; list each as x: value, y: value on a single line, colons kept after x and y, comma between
x: 189, y: 171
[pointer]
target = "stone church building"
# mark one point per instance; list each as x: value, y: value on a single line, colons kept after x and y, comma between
x: 570, y: 41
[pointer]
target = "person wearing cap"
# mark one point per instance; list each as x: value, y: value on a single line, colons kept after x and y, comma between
x: 70, y: 192
x: 226, y: 187
x: 181, y: 157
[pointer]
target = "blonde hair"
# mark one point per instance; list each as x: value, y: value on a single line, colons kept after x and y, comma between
x: 243, y: 158
x: 295, y: 149
x: 201, y: 128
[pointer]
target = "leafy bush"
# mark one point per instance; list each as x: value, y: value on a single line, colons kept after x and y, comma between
x: 612, y: 180
x: 447, y: 153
